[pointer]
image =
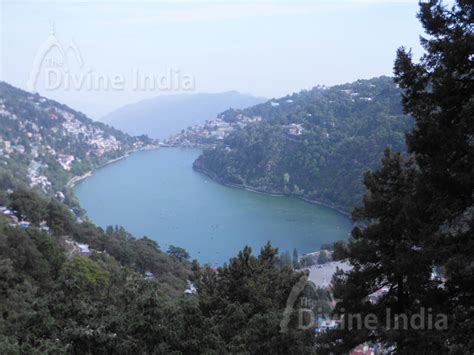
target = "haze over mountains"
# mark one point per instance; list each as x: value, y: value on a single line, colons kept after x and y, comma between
x: 163, y: 116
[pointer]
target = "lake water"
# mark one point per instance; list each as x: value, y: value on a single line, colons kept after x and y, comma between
x: 157, y: 193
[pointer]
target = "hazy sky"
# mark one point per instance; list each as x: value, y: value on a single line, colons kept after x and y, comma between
x: 261, y: 47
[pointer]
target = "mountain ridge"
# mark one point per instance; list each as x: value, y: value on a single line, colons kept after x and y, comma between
x: 163, y: 116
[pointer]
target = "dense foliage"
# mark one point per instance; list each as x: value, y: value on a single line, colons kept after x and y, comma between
x: 245, y: 301
x: 54, y: 300
x: 344, y: 131
x: 419, y: 242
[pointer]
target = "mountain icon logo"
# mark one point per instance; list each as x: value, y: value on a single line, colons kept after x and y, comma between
x: 41, y: 57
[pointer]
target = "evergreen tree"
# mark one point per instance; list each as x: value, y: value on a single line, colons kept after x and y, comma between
x: 296, y: 262
x: 340, y: 250
x: 439, y: 94
x: 389, y: 255
x: 245, y: 301
x: 323, y: 257
x: 285, y: 259
x: 178, y: 252
x: 28, y: 204
x: 58, y: 218
x: 419, y: 212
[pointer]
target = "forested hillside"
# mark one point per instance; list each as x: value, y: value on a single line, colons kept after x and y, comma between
x: 316, y: 144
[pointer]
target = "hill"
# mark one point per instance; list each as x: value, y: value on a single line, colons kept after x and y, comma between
x: 43, y: 143
x: 315, y: 144
x: 164, y: 116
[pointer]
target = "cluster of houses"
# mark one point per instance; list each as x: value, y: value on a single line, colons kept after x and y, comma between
x: 191, y: 289
x: 322, y: 325
x: 76, y: 248
x: 295, y: 129
x: 8, y: 147
x: 4, y: 112
x: 366, y: 349
x: 66, y: 161
x: 93, y: 136
x: 210, y: 132
x: 281, y: 101
x: 213, y: 131
x: 356, y: 96
x: 32, y: 142
x: 14, y: 220
x: 35, y: 176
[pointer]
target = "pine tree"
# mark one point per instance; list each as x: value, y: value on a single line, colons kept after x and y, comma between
x: 439, y: 94
x: 296, y: 261
x: 419, y: 211
x: 387, y: 255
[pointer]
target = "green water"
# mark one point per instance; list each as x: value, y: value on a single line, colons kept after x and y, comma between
x: 156, y: 193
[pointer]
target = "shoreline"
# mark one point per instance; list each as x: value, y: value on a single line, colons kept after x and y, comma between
x: 78, y: 178
x: 276, y: 194
x: 75, y: 179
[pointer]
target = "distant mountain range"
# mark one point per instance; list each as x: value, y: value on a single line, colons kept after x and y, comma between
x: 166, y: 115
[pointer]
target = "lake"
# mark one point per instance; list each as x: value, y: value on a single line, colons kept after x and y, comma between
x: 157, y: 194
